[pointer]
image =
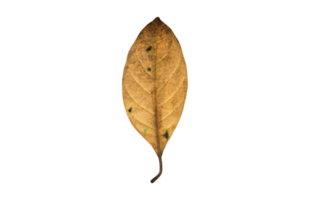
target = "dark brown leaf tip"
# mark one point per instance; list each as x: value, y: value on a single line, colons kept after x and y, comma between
x: 130, y: 109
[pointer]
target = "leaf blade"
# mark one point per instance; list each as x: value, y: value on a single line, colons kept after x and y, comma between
x: 155, y: 85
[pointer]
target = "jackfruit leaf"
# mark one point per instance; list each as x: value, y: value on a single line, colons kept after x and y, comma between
x: 154, y: 87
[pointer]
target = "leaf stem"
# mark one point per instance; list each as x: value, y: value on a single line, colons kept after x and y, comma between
x: 160, y: 170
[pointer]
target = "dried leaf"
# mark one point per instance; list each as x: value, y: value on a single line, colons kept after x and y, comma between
x: 155, y: 85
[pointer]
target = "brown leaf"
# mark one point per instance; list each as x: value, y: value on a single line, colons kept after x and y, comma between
x: 155, y: 85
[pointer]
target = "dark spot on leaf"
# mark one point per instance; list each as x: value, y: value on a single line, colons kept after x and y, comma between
x: 149, y: 49
x: 130, y: 109
x: 149, y: 69
x: 166, y: 135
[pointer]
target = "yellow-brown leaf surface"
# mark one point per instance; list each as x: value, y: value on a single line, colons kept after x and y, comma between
x: 155, y: 85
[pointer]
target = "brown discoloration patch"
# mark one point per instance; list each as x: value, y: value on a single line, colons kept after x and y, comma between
x: 149, y: 49
x: 166, y: 135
